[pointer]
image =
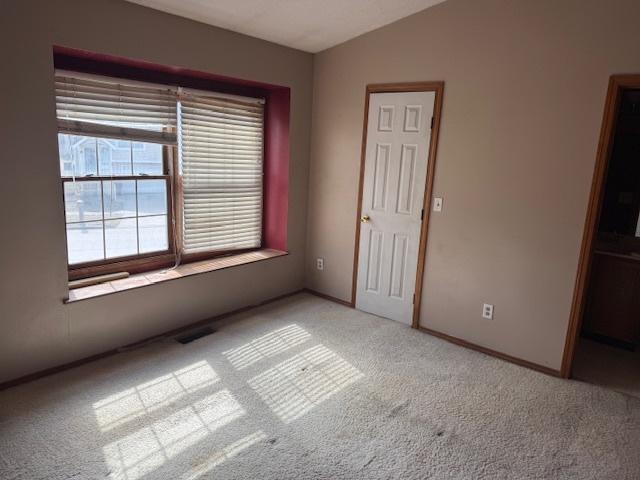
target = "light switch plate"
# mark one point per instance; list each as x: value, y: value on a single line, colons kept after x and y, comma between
x: 437, y: 204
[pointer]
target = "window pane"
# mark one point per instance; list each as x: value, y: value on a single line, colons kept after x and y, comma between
x: 147, y: 158
x: 82, y: 201
x: 152, y: 197
x: 153, y: 234
x: 77, y: 155
x: 119, y: 198
x: 120, y: 237
x: 114, y: 157
x: 84, y: 242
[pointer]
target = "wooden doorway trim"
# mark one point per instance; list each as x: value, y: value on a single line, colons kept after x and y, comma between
x: 438, y: 88
x: 617, y: 83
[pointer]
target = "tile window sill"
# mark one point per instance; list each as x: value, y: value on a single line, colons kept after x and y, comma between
x: 165, y: 275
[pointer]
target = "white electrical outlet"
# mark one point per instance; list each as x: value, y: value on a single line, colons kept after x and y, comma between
x: 320, y: 263
x: 487, y: 311
x: 437, y: 204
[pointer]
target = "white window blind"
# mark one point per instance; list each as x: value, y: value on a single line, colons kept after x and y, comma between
x: 221, y: 159
x: 115, y: 108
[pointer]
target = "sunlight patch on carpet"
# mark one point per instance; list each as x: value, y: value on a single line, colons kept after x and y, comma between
x: 147, y: 397
x: 307, y: 379
x: 267, y: 346
x: 148, y: 448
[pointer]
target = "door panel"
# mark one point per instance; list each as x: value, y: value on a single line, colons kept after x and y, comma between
x: 406, y: 179
x: 374, y: 261
x: 380, y: 177
x: 398, y: 266
x: 395, y: 171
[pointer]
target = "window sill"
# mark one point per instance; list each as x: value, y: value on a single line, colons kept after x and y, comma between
x: 165, y: 275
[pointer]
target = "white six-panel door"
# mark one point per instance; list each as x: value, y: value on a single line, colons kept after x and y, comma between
x: 395, y: 171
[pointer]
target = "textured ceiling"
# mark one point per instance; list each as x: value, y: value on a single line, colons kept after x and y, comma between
x: 309, y: 25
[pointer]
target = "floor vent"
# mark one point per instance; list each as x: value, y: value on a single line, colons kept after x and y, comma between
x: 194, y: 335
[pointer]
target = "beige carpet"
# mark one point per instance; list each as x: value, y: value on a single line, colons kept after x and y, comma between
x: 307, y: 389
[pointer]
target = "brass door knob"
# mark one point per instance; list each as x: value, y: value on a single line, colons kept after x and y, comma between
x: 365, y: 219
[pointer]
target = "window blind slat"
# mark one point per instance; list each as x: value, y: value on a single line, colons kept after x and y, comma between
x: 202, y: 221
x: 236, y: 170
x: 206, y: 131
x: 204, y: 125
x: 221, y: 111
x: 224, y: 150
x: 205, y: 156
x: 222, y: 191
x: 204, y: 234
x: 221, y: 165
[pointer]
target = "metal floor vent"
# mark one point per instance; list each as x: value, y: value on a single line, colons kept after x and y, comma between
x: 194, y: 335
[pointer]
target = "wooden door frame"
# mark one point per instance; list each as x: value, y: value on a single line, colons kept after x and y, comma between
x: 617, y: 83
x: 438, y: 88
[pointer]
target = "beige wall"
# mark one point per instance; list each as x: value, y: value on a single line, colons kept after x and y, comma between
x: 37, y: 330
x: 525, y: 83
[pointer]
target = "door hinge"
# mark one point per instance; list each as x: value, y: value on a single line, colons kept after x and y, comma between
x: 422, y: 214
x: 414, y: 299
x: 431, y: 122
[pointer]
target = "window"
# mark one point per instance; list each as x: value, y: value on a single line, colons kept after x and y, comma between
x: 221, y: 144
x: 115, y: 198
x: 151, y: 170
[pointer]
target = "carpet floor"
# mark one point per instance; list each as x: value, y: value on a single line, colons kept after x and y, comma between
x: 307, y: 389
